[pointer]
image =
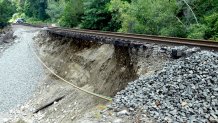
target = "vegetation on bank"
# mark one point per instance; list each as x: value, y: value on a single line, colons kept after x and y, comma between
x: 178, y: 18
x: 7, y: 8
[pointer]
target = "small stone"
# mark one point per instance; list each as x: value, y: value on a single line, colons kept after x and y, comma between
x: 24, y: 114
x: 117, y: 121
x: 168, y: 120
x: 22, y: 108
x: 183, y: 104
x: 5, y: 120
x: 72, y: 118
x: 213, y: 120
x: 55, y: 109
x: 122, y: 113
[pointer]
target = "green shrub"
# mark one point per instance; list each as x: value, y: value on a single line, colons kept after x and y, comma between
x: 6, y: 11
x: 197, y: 31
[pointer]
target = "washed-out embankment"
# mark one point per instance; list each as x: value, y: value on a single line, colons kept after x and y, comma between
x: 167, y: 90
x: 102, y: 68
x: 106, y: 67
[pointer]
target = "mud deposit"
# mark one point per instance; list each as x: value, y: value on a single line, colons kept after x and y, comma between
x: 100, y: 68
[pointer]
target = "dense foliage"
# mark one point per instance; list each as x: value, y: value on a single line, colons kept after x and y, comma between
x: 72, y: 13
x: 6, y: 11
x: 97, y: 16
x: 36, y: 9
x: 179, y: 18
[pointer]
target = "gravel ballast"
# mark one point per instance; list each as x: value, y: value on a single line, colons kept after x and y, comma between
x: 186, y: 90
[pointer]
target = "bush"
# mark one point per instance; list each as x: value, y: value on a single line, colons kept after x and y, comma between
x: 71, y: 16
x: 37, y: 21
x: 55, y: 10
x: 197, y: 31
x: 6, y: 11
x: 174, y: 31
x: 212, y: 24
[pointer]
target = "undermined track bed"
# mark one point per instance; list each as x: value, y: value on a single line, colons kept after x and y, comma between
x: 148, y: 82
x: 106, y: 67
x: 109, y: 67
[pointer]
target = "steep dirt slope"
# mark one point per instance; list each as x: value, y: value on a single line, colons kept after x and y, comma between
x: 105, y: 67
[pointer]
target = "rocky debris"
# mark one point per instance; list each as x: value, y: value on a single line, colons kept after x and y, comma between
x: 5, y: 120
x: 185, y: 90
x: 118, y: 121
x: 176, y: 53
x: 6, y: 39
x: 122, y: 113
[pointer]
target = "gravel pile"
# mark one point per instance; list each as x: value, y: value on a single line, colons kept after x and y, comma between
x: 186, y: 90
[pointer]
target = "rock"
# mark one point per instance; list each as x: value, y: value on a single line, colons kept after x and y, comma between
x: 22, y: 108
x: 24, y: 114
x: 117, y: 121
x: 168, y: 120
x: 109, y: 107
x: 176, y: 53
x: 122, y: 113
x: 5, y: 120
x: 182, y: 90
x: 213, y: 120
x: 72, y: 118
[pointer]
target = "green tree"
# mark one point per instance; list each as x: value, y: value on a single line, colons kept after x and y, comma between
x: 205, y: 12
x: 117, y: 8
x: 197, y: 31
x: 55, y: 10
x: 180, y: 18
x: 72, y: 13
x: 29, y: 8
x: 212, y: 23
x: 153, y: 17
x: 41, y: 10
x: 6, y: 11
x: 36, y: 9
x: 96, y: 15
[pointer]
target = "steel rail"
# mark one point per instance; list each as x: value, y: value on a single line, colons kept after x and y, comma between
x: 144, y: 38
x: 205, y: 44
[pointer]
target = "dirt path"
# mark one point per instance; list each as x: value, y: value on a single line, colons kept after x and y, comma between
x: 19, y: 70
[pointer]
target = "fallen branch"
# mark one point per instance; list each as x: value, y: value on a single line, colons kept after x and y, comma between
x: 49, y: 104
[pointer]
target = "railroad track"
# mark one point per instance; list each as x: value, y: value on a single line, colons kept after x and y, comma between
x: 135, y: 38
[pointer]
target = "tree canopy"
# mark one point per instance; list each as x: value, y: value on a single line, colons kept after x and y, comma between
x: 6, y: 11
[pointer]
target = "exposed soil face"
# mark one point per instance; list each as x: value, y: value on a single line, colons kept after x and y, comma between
x: 6, y: 38
x: 104, y: 67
